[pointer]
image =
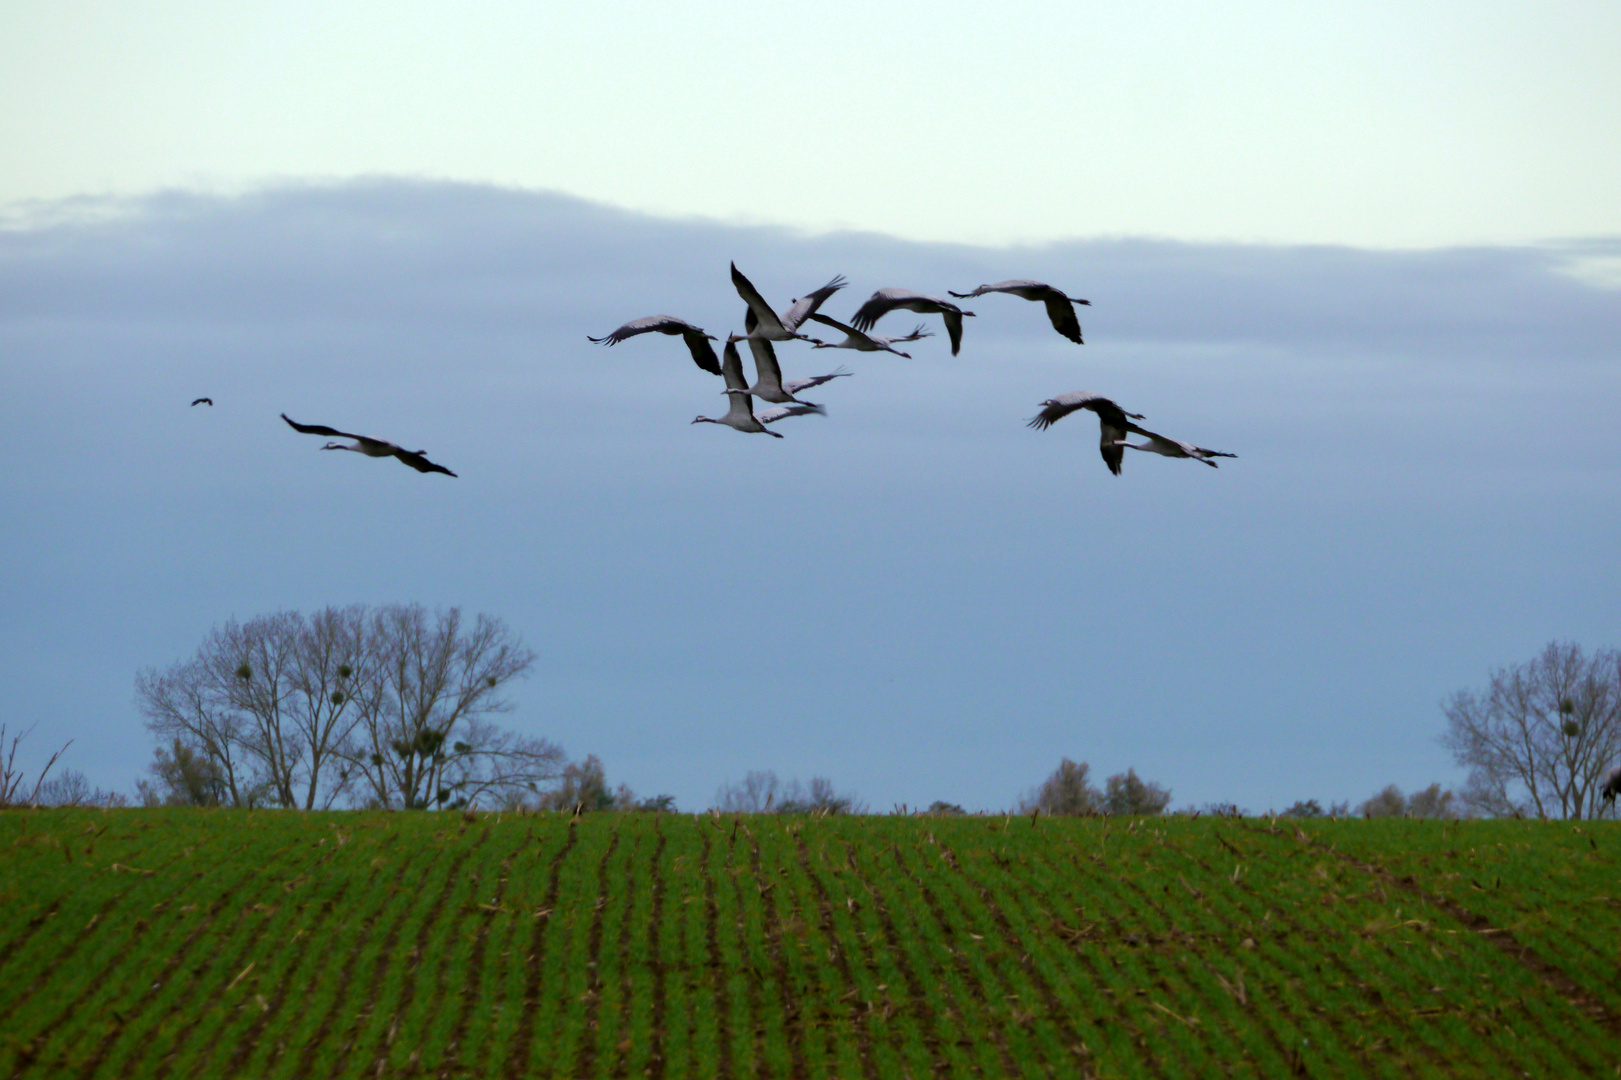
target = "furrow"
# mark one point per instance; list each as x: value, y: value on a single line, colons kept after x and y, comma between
x: 517, y: 1064
x: 655, y: 923
x: 792, y: 1015
x: 585, y: 1063
x: 857, y: 1021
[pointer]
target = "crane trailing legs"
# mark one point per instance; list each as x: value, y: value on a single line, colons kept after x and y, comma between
x: 1175, y: 448
x: 865, y: 342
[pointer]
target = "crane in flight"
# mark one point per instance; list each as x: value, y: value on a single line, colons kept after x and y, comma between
x: 365, y: 444
x: 785, y: 327
x: 1159, y: 444
x: 865, y: 342
x: 884, y: 301
x: 740, y: 416
x: 1114, y: 421
x: 1060, y: 308
x: 768, y: 384
x: 703, y: 353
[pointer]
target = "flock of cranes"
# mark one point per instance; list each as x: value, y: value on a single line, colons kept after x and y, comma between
x: 764, y: 325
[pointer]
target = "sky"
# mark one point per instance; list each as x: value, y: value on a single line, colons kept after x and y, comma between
x: 1371, y: 250
x: 1382, y: 124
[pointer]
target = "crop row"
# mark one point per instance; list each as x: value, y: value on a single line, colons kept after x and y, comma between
x: 282, y: 945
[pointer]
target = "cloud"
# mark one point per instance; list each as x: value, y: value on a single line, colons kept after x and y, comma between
x: 915, y: 595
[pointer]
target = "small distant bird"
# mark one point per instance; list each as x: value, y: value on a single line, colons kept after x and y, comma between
x: 364, y: 444
x: 203, y: 401
x: 1111, y: 418
x: 741, y: 415
x: 1159, y: 444
x: 1612, y: 786
x: 884, y: 301
x: 768, y: 384
x: 785, y: 327
x: 703, y: 353
x: 864, y: 342
x: 1060, y: 308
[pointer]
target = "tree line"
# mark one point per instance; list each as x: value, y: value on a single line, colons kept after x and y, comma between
x: 392, y: 708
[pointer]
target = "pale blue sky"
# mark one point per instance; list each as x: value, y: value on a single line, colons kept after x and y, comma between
x: 916, y: 596
x: 1372, y: 124
x: 1372, y: 248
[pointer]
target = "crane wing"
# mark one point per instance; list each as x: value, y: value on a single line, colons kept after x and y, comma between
x: 1055, y: 409
x: 805, y: 306
x: 420, y: 463
x: 731, y: 367
x: 878, y: 305
x: 1061, y: 313
x: 664, y: 324
x: 773, y: 415
x: 768, y: 374
x: 751, y: 296
x: 815, y: 380
x: 703, y: 353
x: 849, y: 330
x: 322, y: 429
x: 1109, y: 444
x: 953, y: 320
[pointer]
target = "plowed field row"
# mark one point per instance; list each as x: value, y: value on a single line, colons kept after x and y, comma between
x: 171, y: 943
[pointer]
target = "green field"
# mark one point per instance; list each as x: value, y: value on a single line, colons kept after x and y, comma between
x: 276, y: 944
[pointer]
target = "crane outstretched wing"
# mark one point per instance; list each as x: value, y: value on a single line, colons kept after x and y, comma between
x: 806, y: 306
x: 319, y: 429
x: 663, y: 324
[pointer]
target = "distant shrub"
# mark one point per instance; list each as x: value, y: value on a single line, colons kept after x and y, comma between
x: 1125, y: 794
x: 1068, y: 792
x: 1432, y: 802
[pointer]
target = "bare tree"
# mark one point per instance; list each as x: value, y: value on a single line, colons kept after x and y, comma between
x: 268, y: 702
x: 186, y: 706
x: 72, y: 788
x: 422, y: 738
x: 760, y: 792
x: 13, y: 780
x: 1538, y: 739
x: 301, y: 711
x: 756, y: 792
x: 819, y: 797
